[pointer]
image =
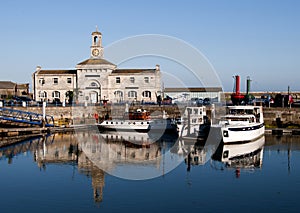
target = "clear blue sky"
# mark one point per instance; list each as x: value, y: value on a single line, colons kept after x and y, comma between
x: 256, y: 38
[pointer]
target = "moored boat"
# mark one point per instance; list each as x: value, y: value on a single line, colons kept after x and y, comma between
x: 242, y: 124
x: 139, y: 121
x: 194, y: 123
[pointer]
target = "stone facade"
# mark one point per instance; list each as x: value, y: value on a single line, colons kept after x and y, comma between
x: 53, y: 85
x: 134, y: 84
x: 96, y: 80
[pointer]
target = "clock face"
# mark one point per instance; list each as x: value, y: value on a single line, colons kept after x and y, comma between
x: 95, y: 52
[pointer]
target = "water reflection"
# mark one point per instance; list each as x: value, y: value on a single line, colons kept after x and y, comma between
x: 65, y: 149
x: 270, y: 160
x: 135, y: 156
x: 58, y: 149
x: 240, y: 156
x: 131, y: 156
x: 86, y: 167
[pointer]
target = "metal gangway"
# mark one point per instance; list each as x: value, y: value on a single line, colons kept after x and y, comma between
x: 31, y: 118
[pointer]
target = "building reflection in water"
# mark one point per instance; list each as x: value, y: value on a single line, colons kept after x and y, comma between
x: 128, y: 155
x: 85, y: 166
x: 108, y: 152
x: 95, y: 154
x: 64, y: 149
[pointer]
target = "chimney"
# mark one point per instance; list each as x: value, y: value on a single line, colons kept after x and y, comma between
x: 38, y: 68
x: 157, y: 67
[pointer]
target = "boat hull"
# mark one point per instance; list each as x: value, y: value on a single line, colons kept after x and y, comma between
x: 158, y: 125
x: 125, y: 125
x: 242, y: 134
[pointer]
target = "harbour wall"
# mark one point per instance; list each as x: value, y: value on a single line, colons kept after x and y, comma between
x: 282, y: 117
x: 274, y: 117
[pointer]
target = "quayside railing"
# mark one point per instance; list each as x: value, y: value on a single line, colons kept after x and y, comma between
x: 19, y: 116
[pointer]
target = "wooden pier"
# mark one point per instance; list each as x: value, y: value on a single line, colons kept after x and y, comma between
x: 22, y: 131
x: 9, y: 136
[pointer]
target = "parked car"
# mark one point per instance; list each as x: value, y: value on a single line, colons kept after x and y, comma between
x: 196, y: 102
x: 283, y: 100
x: 199, y: 102
x: 296, y: 104
x: 20, y: 99
x: 267, y: 100
x: 206, y: 101
x: 8, y: 102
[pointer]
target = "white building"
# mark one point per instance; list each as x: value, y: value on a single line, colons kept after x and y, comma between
x: 53, y: 85
x: 97, y: 79
x: 183, y: 94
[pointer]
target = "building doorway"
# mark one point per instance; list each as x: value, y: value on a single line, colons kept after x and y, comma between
x: 94, y: 97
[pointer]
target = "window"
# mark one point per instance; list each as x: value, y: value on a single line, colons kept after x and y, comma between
x: 118, y: 94
x: 95, y: 40
x: 132, y: 80
x: 42, y: 94
x: 93, y: 84
x: 118, y: 80
x: 42, y: 81
x: 55, y: 80
x: 146, y: 94
x: 146, y: 79
x: 69, y: 80
x: 56, y: 94
x: 132, y: 94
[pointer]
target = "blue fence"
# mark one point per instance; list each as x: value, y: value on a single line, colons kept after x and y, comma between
x: 25, y: 117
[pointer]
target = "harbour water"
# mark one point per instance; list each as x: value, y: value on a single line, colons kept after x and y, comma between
x: 92, y: 172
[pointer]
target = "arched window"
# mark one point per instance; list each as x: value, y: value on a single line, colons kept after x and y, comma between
x: 132, y: 94
x: 42, y: 94
x: 118, y: 94
x: 146, y: 94
x: 95, y: 40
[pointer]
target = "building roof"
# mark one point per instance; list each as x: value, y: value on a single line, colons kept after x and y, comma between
x: 128, y: 71
x: 193, y: 89
x: 96, y: 33
x: 92, y: 61
x: 23, y: 86
x: 57, y: 72
x: 7, y: 85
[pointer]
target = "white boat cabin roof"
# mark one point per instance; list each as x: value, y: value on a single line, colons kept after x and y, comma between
x: 245, y: 107
x: 234, y: 110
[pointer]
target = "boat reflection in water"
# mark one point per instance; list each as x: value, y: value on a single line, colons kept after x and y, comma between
x: 133, y: 156
x: 198, y: 152
x: 240, y: 156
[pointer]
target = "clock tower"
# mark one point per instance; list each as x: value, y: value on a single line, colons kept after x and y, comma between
x: 96, y: 48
